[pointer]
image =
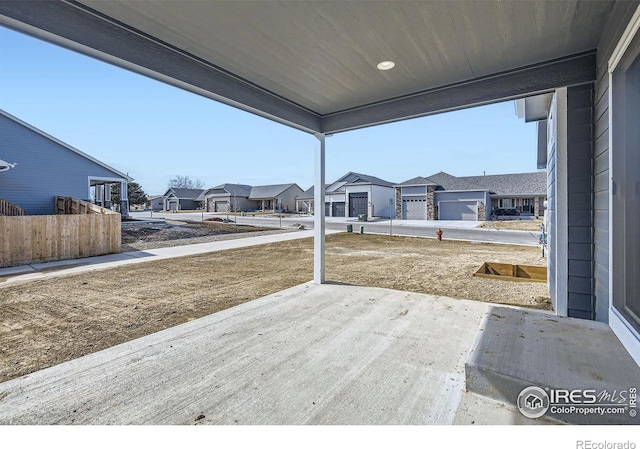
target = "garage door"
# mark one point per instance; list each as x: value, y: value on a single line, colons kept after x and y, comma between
x: 414, y: 209
x: 222, y: 206
x: 358, y: 204
x: 458, y: 210
x: 338, y: 209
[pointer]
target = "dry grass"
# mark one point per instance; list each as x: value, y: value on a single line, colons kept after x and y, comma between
x: 47, y: 322
x: 515, y: 225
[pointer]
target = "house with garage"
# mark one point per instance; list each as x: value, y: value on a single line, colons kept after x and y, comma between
x: 304, y: 201
x: 446, y: 197
x: 354, y: 194
x: 228, y: 198
x: 40, y: 167
x: 275, y: 198
x: 175, y: 199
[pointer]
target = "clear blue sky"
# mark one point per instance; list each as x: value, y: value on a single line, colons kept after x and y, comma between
x: 154, y: 131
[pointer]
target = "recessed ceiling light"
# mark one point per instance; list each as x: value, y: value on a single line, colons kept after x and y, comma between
x: 386, y: 65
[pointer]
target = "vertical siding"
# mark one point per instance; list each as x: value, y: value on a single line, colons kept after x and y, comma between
x: 45, y: 169
x: 616, y: 25
x: 580, y: 299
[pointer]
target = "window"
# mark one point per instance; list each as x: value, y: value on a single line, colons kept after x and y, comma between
x: 624, y: 68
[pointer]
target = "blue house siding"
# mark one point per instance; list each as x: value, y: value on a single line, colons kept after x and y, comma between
x: 580, y: 302
x: 45, y: 169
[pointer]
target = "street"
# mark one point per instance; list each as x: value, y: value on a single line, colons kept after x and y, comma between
x: 450, y: 230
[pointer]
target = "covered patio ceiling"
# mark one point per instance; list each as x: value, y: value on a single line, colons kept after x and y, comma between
x: 312, y: 64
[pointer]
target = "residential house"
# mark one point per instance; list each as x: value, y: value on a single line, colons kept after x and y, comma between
x: 156, y: 202
x: 304, y: 201
x: 176, y: 199
x: 445, y: 197
x: 354, y: 194
x: 228, y: 198
x: 275, y: 198
x: 44, y: 167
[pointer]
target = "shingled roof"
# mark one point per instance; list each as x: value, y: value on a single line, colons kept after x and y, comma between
x: 230, y: 189
x: 517, y: 184
x: 267, y: 192
x: 185, y: 194
x: 514, y: 184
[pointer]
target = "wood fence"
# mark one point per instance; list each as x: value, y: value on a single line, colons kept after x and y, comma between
x: 10, y: 209
x: 44, y: 238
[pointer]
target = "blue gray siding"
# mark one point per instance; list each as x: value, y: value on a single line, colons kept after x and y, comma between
x: 45, y: 169
x: 550, y: 214
x: 580, y: 298
x: 620, y: 16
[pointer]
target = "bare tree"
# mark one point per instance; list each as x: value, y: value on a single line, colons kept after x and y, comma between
x: 185, y: 182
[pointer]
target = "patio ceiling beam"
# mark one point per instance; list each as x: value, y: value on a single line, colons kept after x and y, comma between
x: 79, y: 28
x: 539, y: 78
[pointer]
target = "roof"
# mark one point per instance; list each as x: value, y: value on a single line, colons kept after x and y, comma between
x: 449, y: 182
x: 417, y: 181
x: 184, y: 194
x: 269, y: 191
x: 516, y: 184
x: 534, y: 183
x: 66, y: 145
x: 307, y: 194
x: 312, y: 64
x: 359, y: 178
x: 241, y: 190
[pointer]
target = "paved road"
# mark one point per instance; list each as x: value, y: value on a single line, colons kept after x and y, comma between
x: 451, y: 230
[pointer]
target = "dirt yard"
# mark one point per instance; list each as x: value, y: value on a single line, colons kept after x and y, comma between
x: 516, y: 225
x: 142, y: 236
x: 46, y: 322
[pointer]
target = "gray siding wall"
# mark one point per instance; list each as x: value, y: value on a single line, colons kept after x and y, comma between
x: 580, y: 299
x: 45, y: 169
x: 289, y: 198
x: 414, y: 190
x: 622, y: 13
x: 443, y: 195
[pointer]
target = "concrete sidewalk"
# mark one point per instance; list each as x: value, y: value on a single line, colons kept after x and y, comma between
x: 312, y: 354
x: 62, y: 267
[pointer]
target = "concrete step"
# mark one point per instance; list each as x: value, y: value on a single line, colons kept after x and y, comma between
x: 515, y: 349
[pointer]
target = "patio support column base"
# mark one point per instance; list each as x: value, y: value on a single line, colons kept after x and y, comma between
x: 318, y: 217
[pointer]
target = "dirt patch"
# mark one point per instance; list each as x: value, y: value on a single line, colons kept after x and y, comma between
x: 139, y: 236
x: 46, y: 322
x: 514, y: 225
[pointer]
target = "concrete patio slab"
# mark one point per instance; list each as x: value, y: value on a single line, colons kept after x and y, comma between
x: 516, y: 349
x: 312, y: 354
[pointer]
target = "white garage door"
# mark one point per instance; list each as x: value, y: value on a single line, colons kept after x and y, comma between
x: 458, y: 210
x: 414, y: 209
x: 222, y: 206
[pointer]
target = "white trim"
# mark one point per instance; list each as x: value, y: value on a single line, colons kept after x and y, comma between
x: 627, y: 335
x: 102, y: 178
x: 318, y: 216
x: 63, y: 144
x: 624, y: 42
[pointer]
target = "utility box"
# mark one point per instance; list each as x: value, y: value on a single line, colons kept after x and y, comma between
x: 362, y: 217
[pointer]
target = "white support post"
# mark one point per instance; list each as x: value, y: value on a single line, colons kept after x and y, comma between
x: 107, y: 196
x: 318, y: 216
x: 124, y: 199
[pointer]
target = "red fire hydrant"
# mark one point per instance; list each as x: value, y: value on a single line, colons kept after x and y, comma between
x: 439, y: 234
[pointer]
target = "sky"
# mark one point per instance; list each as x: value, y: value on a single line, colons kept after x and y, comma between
x: 154, y: 131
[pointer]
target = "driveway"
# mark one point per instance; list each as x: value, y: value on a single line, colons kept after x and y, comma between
x: 312, y: 354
